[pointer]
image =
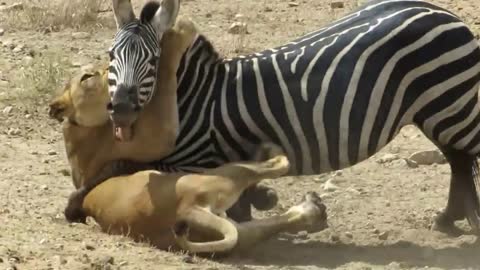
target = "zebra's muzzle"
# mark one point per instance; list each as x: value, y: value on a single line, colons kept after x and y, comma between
x: 124, y: 110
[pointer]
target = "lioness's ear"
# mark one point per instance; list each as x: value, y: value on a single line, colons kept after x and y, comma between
x: 161, y: 16
x: 123, y: 11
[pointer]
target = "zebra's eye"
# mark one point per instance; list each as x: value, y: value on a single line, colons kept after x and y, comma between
x: 111, y: 55
x: 153, y: 61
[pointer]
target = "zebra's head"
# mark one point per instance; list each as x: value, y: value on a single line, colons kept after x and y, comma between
x: 134, y: 57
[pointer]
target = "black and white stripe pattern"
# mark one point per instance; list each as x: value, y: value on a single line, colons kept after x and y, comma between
x: 133, y: 59
x: 335, y: 96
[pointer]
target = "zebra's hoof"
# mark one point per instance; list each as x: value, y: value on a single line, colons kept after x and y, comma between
x: 444, y: 224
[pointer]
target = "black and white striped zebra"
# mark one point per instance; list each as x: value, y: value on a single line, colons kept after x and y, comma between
x: 336, y: 96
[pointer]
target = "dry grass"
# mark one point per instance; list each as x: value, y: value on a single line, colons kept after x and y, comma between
x: 55, y: 15
x: 42, y: 77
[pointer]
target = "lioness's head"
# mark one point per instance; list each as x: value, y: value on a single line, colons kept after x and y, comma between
x: 84, y: 99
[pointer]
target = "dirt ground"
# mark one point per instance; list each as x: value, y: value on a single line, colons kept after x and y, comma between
x: 379, y: 216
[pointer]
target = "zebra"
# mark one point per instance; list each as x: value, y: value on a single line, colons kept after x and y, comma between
x: 331, y: 98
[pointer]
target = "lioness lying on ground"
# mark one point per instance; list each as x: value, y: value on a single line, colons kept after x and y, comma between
x: 148, y: 204
x: 94, y: 153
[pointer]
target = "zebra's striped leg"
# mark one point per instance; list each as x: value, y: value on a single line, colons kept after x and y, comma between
x: 463, y: 201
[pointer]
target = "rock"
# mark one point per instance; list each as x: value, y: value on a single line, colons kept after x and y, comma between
x: 188, y: 259
x: 52, y: 153
x: 387, y: 158
x: 18, y: 48
x: 28, y: 116
x: 238, y: 28
x: 7, y: 110
x: 239, y: 16
x: 428, y: 157
x: 80, y: 35
x: 337, y: 4
x: 334, y: 238
x: 330, y: 186
x: 383, y: 236
x: 64, y: 172
x: 27, y: 60
x: 106, y: 260
x: 293, y: 4
x: 44, y: 187
x: 268, y: 9
x: 59, y: 260
x: 13, y: 131
x: 302, y: 235
x: 376, y: 231
x: 2, y: 31
x: 349, y: 235
x: 88, y: 246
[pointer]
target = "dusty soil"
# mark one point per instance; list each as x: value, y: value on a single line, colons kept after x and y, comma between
x: 379, y: 216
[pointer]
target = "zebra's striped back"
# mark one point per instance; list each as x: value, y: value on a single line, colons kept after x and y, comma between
x: 335, y: 96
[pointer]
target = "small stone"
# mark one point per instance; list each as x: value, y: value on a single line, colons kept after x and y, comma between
x: 428, y: 157
x: 293, y: 4
x: 330, y: 186
x: 106, y: 260
x: 122, y: 263
x: 239, y: 16
x: 52, y: 153
x: 302, y: 234
x: 349, y: 235
x: 383, y: 236
x: 80, y: 35
x: 44, y: 187
x: 2, y: 31
x: 337, y: 4
x: 42, y: 241
x: 13, y: 131
x: 208, y: 15
x: 7, y: 110
x: 268, y: 9
x: 28, y: 116
x: 27, y: 60
x: 64, y: 172
x: 387, y: 158
x: 376, y: 231
x: 238, y: 28
x: 188, y: 259
x: 334, y: 238
x: 18, y: 49
x: 88, y: 246
x: 59, y: 260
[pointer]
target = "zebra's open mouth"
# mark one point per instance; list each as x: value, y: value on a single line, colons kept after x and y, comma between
x: 123, y: 133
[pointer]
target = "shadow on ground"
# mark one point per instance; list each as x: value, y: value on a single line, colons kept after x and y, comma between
x: 331, y: 255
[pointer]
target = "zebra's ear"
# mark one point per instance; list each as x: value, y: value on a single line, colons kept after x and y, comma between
x: 161, y: 16
x: 123, y: 11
